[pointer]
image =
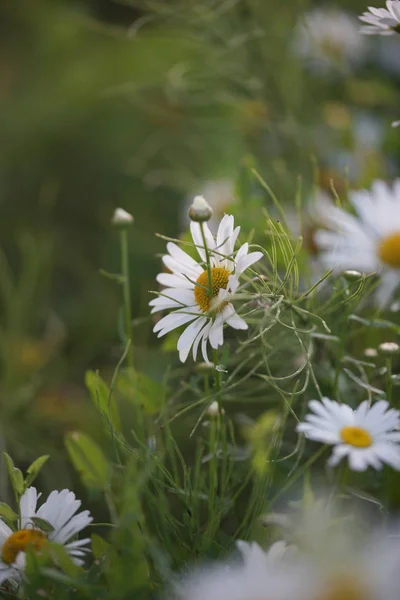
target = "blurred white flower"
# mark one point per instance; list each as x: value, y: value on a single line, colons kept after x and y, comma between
x: 382, y: 21
x: 368, y: 242
x: 188, y: 288
x: 59, y: 512
x: 329, y: 39
x: 352, y: 564
x: 258, y: 577
x: 365, y: 435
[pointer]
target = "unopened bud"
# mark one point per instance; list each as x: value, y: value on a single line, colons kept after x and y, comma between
x: 395, y: 379
x: 388, y: 349
x: 213, y: 410
x: 200, y: 211
x: 351, y: 275
x: 370, y: 352
x: 121, y: 218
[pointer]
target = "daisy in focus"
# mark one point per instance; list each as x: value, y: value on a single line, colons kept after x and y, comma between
x: 369, y: 241
x: 382, y: 21
x: 60, y: 512
x: 204, y: 308
x: 366, y: 435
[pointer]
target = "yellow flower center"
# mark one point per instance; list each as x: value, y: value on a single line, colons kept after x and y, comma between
x: 346, y: 589
x: 356, y: 436
x: 19, y: 542
x: 389, y: 250
x: 219, y: 278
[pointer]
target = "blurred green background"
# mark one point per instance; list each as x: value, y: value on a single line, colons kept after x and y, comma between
x: 142, y: 104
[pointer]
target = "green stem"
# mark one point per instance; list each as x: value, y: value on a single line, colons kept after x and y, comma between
x: 127, y: 295
x: 341, y: 351
x: 208, y: 262
x: 126, y: 289
x: 299, y: 473
x: 389, y: 382
x: 217, y: 376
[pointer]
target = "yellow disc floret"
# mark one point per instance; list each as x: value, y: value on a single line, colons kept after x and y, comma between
x: 19, y: 542
x: 356, y: 436
x: 346, y: 589
x: 219, y: 279
x: 389, y: 250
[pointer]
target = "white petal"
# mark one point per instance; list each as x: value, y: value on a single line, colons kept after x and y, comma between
x: 246, y: 261
x: 198, y: 239
x: 174, y: 320
x: 358, y: 459
x: 188, y: 337
x: 232, y: 318
x: 216, y: 335
x: 27, y: 506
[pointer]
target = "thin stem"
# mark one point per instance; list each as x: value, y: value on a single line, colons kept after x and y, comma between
x: 127, y: 295
x: 208, y: 262
x: 389, y: 383
x: 217, y: 376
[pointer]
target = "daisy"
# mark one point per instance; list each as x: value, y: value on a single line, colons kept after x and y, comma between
x: 187, y: 288
x: 365, y: 435
x: 257, y: 577
x: 341, y: 558
x: 59, y: 511
x: 329, y: 39
x: 382, y: 21
x: 368, y: 241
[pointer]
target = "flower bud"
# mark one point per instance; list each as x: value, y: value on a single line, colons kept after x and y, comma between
x: 200, y: 211
x: 351, y: 275
x: 388, y: 349
x: 370, y: 352
x: 213, y: 410
x: 121, y: 218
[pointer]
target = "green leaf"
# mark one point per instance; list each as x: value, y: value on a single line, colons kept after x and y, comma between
x: 102, y: 399
x: 62, y: 559
x: 141, y: 389
x: 34, y: 469
x: 99, y: 546
x: 42, y: 524
x: 16, y: 477
x: 88, y: 459
x: 7, y: 513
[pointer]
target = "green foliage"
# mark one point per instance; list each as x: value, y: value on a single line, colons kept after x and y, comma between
x: 88, y: 459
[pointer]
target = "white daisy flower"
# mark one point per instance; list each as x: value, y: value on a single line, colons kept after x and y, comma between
x: 329, y: 39
x: 187, y: 288
x: 258, y: 577
x: 60, y: 511
x: 368, y: 242
x: 366, y: 435
x: 382, y: 21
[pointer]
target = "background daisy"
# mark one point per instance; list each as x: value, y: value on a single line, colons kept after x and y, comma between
x: 368, y: 242
x: 187, y: 288
x: 366, y: 435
